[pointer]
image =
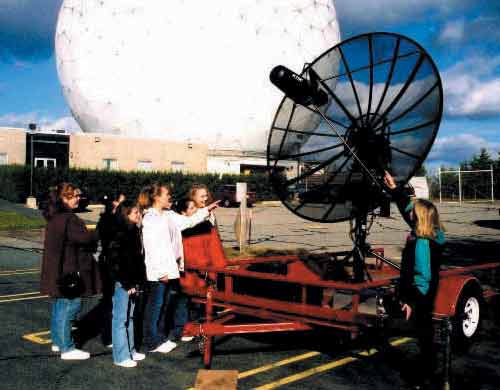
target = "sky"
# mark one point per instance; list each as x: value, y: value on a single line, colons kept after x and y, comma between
x: 462, y: 36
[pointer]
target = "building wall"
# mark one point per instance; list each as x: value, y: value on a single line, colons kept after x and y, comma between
x: 12, y: 146
x: 238, y: 162
x: 98, y: 151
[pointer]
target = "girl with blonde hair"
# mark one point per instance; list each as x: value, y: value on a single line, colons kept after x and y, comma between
x: 420, y: 264
x: 164, y: 259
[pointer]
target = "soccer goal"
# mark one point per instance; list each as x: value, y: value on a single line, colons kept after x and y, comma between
x: 466, y: 185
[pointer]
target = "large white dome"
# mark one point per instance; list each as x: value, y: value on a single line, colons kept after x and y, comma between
x: 185, y: 70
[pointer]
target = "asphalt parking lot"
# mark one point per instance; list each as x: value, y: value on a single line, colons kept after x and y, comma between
x: 289, y: 361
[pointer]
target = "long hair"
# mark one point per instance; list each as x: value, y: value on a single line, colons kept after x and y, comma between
x: 199, y: 186
x: 427, y: 219
x: 55, y: 202
x: 148, y: 194
x: 123, y: 211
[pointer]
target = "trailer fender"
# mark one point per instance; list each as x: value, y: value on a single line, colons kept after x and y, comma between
x: 449, y: 291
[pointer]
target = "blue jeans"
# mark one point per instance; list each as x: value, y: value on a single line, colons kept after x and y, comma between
x: 178, y: 312
x: 64, y: 312
x: 122, y: 325
x: 155, y: 314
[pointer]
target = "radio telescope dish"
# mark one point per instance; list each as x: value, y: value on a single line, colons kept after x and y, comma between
x: 384, y: 107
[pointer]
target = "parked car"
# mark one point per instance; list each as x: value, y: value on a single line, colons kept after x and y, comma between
x: 42, y: 201
x: 227, y: 195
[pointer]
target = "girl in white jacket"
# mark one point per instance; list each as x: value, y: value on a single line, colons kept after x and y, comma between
x: 163, y: 258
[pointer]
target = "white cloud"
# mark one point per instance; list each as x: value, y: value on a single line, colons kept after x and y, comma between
x: 18, y: 120
x: 43, y: 122
x: 478, y: 32
x: 64, y: 123
x: 452, y: 32
x: 455, y: 149
x: 472, y: 87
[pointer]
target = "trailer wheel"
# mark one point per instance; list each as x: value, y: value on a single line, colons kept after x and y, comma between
x: 467, y: 320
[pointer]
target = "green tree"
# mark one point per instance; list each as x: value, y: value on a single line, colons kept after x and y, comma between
x: 481, y: 161
x: 422, y: 171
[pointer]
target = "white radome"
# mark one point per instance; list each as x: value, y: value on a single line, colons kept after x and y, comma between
x: 185, y: 70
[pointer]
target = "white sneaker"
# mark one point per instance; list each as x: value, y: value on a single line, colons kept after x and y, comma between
x: 166, y: 347
x: 75, y: 354
x: 137, y: 356
x: 109, y: 346
x: 127, y: 363
x: 55, y: 348
x: 187, y: 339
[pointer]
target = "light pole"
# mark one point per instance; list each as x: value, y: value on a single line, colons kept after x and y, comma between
x: 31, y: 201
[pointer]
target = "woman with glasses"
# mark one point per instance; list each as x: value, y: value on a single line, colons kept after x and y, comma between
x: 68, y: 248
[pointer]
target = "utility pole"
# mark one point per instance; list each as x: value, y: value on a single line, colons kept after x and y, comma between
x: 31, y: 200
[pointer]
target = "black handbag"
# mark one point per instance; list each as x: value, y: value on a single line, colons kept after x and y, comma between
x: 70, y: 284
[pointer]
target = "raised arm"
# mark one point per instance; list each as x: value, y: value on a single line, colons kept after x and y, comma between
x: 401, y: 197
x: 184, y: 222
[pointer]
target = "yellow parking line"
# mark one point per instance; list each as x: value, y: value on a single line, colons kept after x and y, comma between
x: 35, y: 337
x: 20, y: 294
x: 304, y: 356
x: 270, y: 366
x: 277, y: 364
x: 19, y: 273
x: 323, y: 368
x: 23, y: 299
x: 19, y: 270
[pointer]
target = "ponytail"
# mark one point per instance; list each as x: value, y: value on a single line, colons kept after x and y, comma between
x: 148, y: 194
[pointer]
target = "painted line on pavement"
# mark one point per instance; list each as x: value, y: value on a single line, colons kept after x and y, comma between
x: 325, y: 367
x: 270, y: 366
x: 35, y: 337
x: 19, y: 270
x: 280, y: 363
x: 19, y: 273
x: 307, y: 373
x: 20, y: 294
x: 23, y: 299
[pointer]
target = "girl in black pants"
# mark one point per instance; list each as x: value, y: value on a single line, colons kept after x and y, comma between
x: 420, y: 263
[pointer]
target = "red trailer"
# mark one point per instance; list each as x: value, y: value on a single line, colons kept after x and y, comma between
x: 368, y: 106
x: 287, y: 294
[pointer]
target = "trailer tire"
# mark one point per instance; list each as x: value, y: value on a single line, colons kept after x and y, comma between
x: 468, y: 317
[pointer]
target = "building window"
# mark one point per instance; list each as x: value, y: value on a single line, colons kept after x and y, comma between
x: 109, y: 163
x: 42, y: 162
x: 178, y: 166
x: 4, y: 158
x: 144, y: 165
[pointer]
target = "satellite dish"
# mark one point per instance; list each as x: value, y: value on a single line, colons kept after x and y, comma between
x: 371, y: 103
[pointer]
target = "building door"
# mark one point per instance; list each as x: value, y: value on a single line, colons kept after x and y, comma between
x: 43, y: 162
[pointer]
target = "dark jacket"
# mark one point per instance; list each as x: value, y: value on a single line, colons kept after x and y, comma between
x: 126, y: 257
x: 67, y: 240
x: 106, y: 226
x: 407, y: 287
